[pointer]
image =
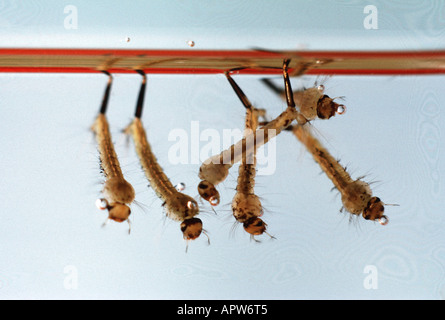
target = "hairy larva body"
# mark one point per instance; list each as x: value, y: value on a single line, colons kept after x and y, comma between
x: 246, y: 205
x: 178, y: 206
x: 356, y: 195
x: 118, y: 193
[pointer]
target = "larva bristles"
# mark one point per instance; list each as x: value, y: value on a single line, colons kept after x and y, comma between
x: 356, y: 195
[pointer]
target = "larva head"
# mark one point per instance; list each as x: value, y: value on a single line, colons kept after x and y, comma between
x: 191, y: 228
x: 374, y: 211
x: 255, y: 226
x: 327, y: 107
x: 116, y: 211
x: 208, y: 192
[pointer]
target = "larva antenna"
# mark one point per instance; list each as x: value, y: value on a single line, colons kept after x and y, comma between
x: 141, y: 96
x: 271, y: 236
x: 383, y: 220
x: 186, y: 245
x: 187, y: 241
x: 105, y: 222
x: 106, y: 97
x: 206, y: 234
x: 252, y: 237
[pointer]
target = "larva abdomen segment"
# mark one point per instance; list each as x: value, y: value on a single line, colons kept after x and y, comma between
x: 321, y: 155
x: 116, y: 188
x: 108, y: 157
x: 246, y: 178
x: 356, y: 194
x: 117, y: 191
x: 246, y: 205
x: 257, y: 138
x: 178, y: 206
x: 153, y: 171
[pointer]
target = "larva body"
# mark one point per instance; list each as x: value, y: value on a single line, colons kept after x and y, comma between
x: 118, y: 193
x: 178, y: 206
x: 246, y: 206
x: 116, y: 188
x: 356, y: 195
x: 216, y: 168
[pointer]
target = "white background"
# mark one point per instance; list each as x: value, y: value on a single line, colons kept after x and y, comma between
x: 392, y: 132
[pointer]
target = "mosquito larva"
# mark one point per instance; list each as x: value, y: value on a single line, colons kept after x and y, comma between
x: 118, y: 193
x: 312, y: 102
x: 178, y: 206
x: 246, y: 205
x: 216, y: 168
x: 356, y: 195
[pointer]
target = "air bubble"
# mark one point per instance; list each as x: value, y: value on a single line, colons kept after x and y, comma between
x: 383, y: 220
x: 191, y: 205
x: 341, y: 109
x: 191, y: 43
x: 101, y: 204
x: 180, y: 186
x: 214, y: 201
